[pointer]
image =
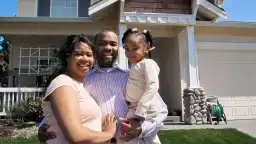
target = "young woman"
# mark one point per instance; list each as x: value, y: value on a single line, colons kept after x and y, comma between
x: 69, y: 110
x: 142, y: 96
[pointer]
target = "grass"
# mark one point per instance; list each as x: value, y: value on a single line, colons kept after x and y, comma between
x: 196, y: 136
x: 32, y: 140
x: 206, y: 136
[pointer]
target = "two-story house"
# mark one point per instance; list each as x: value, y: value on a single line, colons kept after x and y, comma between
x: 192, y: 48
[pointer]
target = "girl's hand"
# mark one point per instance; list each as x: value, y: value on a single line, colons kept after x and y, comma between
x: 109, y: 125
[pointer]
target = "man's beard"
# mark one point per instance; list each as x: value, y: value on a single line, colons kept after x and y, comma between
x: 106, y: 62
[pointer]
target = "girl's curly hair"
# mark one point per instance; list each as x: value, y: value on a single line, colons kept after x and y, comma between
x: 146, y: 35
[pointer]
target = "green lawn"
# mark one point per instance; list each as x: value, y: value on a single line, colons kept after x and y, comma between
x: 205, y: 136
x: 19, y: 141
x: 199, y: 136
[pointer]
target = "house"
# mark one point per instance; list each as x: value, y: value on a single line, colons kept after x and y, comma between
x: 193, y: 49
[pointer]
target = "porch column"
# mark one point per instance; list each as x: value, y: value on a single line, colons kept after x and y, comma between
x: 122, y: 59
x: 194, y: 98
x: 192, y: 73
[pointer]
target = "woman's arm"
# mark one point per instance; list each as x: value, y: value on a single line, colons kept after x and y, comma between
x: 66, y: 109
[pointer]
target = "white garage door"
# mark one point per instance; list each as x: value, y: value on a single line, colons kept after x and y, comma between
x: 228, y: 70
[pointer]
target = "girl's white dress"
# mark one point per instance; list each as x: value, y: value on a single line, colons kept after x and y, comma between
x: 142, y: 93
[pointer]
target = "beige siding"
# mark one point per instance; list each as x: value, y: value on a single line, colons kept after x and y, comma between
x: 213, y: 34
x: 27, y: 8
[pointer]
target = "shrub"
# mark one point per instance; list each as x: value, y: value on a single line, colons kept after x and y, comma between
x: 25, y: 111
x: 35, y: 112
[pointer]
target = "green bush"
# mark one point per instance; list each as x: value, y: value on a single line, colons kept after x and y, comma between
x: 35, y: 111
x: 29, y: 110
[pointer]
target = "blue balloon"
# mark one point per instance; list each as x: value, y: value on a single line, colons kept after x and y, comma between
x: 1, y: 48
x: 1, y: 39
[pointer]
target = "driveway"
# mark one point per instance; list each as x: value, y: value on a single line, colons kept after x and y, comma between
x: 246, y: 126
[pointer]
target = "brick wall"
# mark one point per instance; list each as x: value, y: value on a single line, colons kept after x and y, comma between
x: 158, y: 6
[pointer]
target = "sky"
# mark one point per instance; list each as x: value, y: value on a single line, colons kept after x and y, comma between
x: 237, y: 10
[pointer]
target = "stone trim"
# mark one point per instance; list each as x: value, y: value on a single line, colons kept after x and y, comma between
x: 194, y: 100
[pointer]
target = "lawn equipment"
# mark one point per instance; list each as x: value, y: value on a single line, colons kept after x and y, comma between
x: 215, y: 111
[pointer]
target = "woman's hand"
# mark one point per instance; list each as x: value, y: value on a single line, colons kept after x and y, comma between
x: 109, y: 125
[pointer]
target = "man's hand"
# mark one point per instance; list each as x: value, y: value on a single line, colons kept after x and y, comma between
x: 43, y: 135
x: 130, y: 129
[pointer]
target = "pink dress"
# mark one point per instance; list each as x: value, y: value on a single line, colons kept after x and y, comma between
x: 90, y: 112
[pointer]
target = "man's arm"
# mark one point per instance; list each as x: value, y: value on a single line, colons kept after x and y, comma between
x: 148, y: 127
x: 151, y: 127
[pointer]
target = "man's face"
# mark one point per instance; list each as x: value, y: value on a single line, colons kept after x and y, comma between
x: 106, y: 49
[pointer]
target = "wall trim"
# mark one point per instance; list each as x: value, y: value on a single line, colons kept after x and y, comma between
x: 225, y: 46
x: 157, y: 18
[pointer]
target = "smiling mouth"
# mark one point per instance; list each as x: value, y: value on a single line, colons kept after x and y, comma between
x: 84, y: 66
x: 108, y: 56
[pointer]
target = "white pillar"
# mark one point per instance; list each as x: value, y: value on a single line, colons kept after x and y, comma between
x: 191, y: 58
x: 122, y: 59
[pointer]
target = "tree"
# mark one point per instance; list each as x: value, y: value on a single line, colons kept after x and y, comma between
x: 4, y: 61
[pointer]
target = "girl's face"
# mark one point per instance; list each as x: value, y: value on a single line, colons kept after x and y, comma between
x: 80, y: 61
x: 135, y: 48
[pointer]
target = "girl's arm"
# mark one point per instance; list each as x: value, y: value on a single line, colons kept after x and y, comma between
x: 66, y: 109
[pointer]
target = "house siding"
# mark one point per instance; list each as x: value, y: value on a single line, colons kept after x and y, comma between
x: 158, y: 6
x: 26, y: 8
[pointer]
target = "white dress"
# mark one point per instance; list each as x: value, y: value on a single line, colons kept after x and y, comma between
x: 142, y: 93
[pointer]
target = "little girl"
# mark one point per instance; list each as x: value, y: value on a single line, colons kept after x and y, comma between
x: 142, y: 95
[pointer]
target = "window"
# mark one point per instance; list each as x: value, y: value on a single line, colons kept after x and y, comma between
x: 64, y: 8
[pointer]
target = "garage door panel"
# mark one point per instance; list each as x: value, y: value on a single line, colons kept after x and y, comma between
x: 240, y: 98
x: 230, y: 75
x: 252, y: 98
x: 228, y: 111
x: 253, y: 110
x: 241, y: 111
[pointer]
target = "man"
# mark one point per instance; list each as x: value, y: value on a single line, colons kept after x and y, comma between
x: 107, y: 85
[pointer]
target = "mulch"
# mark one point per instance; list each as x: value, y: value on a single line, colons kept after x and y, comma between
x: 5, y: 131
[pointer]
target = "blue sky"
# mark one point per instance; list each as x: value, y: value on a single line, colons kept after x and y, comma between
x: 237, y: 10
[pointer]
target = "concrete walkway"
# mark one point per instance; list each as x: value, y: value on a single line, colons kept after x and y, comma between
x: 246, y: 126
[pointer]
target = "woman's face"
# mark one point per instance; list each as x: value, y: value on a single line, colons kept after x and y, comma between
x: 135, y: 48
x: 80, y: 61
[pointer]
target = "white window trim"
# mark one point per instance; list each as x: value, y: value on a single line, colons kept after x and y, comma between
x: 77, y: 10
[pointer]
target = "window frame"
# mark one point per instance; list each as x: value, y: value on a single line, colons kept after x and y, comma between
x: 77, y: 11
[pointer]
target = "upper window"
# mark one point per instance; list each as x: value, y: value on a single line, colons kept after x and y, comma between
x: 64, y: 8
